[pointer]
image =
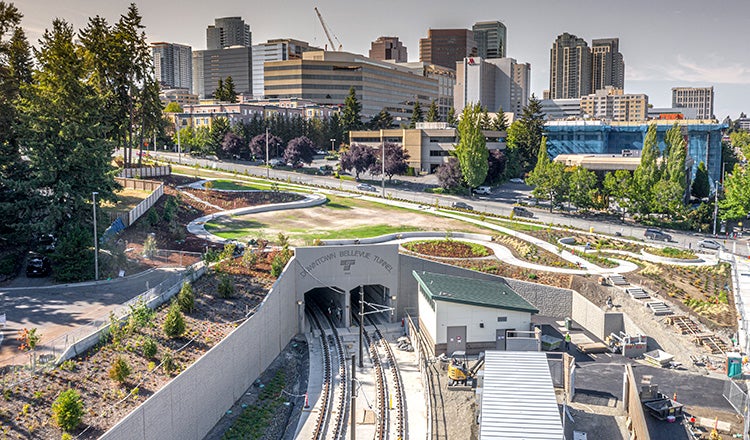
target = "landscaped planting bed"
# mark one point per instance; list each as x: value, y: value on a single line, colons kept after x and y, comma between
x: 526, y: 251
x: 142, y: 348
x: 448, y: 248
x: 670, y: 252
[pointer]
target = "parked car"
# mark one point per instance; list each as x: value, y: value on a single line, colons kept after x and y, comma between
x: 325, y: 170
x: 517, y: 180
x: 38, y: 266
x: 275, y: 162
x: 519, y: 211
x: 710, y: 244
x: 655, y: 234
x: 366, y: 187
x: 483, y: 190
x: 47, y: 243
x: 462, y: 205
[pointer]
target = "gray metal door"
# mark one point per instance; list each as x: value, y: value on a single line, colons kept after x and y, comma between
x: 456, y: 339
x: 500, y: 339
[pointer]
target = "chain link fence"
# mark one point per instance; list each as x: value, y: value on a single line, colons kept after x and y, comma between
x: 22, y: 367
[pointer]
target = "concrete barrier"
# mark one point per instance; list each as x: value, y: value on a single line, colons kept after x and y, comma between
x: 189, y: 406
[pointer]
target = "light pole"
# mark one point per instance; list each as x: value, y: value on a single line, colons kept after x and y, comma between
x: 96, y: 241
x: 179, y: 146
x: 716, y: 203
x: 382, y: 162
x: 268, y: 170
x: 333, y: 148
x: 300, y: 303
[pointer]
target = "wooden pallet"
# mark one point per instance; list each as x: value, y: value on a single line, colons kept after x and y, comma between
x: 618, y: 280
x: 684, y: 324
x: 637, y: 293
x: 713, y: 343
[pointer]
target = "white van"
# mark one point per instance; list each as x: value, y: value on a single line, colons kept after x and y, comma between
x: 483, y: 190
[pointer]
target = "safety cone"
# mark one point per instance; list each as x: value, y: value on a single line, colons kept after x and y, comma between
x: 307, y: 402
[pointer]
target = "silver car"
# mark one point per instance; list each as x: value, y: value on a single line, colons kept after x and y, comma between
x: 710, y: 244
x: 366, y: 187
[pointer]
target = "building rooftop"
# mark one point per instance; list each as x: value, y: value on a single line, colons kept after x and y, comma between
x: 518, y: 398
x: 493, y: 294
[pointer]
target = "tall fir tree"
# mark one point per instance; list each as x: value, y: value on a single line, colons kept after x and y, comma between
x: 451, y: 117
x: 230, y: 94
x: 350, y: 116
x: 701, y: 187
x: 220, y: 92
x: 433, y: 115
x: 500, y: 123
x: 416, y: 114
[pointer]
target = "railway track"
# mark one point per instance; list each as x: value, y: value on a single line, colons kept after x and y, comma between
x: 331, y: 421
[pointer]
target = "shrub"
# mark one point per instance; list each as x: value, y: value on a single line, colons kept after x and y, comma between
x: 174, y: 323
x: 168, y: 363
x: 249, y: 259
x: 66, y: 436
x: 149, y: 246
x: 228, y: 251
x: 279, y: 261
x: 69, y: 365
x: 120, y: 370
x: 67, y: 410
x: 149, y: 348
x: 141, y: 315
x: 153, y: 217
x: 186, y: 298
x: 226, y: 287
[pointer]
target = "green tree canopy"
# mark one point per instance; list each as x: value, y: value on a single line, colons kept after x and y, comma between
x: 433, y: 115
x: 173, y: 107
x: 740, y: 140
x: 471, y: 150
x: 646, y: 175
x: 500, y: 123
x: 736, y: 202
x: 416, y: 114
x: 701, y: 187
x: 451, y: 117
x: 350, y: 116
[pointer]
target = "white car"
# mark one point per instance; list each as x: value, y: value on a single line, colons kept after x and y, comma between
x: 710, y: 244
x: 366, y: 187
x: 483, y: 190
x: 517, y: 180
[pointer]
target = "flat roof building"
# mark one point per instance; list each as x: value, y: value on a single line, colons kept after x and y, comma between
x: 210, y: 66
x: 494, y: 83
x: 388, y: 48
x: 446, y: 46
x: 491, y: 38
x: 607, y: 64
x: 599, y: 137
x: 428, y: 146
x: 173, y: 65
x: 281, y: 49
x: 446, y: 79
x: 557, y: 109
x: 228, y: 32
x: 700, y: 98
x: 570, y: 68
x: 180, y: 96
x: 613, y: 105
x: 325, y: 77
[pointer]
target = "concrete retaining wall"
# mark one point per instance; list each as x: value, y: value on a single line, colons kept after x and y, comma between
x: 191, y: 404
x: 596, y: 320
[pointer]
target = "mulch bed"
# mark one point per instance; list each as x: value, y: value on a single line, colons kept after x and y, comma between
x: 26, y: 408
x: 448, y: 249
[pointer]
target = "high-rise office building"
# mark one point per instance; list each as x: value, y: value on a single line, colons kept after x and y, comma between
x: 570, y: 68
x: 444, y: 47
x: 281, y: 49
x: 491, y: 38
x: 210, y: 66
x: 493, y: 83
x: 445, y: 77
x: 173, y: 65
x: 228, y: 32
x: 388, y: 48
x: 700, y: 98
x: 607, y: 65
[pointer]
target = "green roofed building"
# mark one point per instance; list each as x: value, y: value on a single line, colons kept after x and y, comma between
x: 472, y: 315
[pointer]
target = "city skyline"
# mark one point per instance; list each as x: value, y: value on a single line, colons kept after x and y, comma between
x: 665, y: 44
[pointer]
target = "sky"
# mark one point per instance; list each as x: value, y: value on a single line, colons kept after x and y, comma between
x: 665, y: 43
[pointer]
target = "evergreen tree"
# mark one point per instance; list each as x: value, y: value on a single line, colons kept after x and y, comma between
x: 350, y: 116
x: 451, y: 117
x: 530, y: 137
x: 382, y: 120
x: 471, y: 150
x: 230, y: 95
x: 701, y: 187
x: 500, y: 123
x: 64, y: 136
x: 433, y: 115
x: 220, y: 93
x: 416, y: 114
x: 548, y: 178
x: 485, y: 121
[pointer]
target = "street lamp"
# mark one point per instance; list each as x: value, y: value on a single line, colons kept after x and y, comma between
x: 300, y: 303
x: 179, y: 146
x: 268, y: 170
x: 332, y: 146
x: 716, y: 203
x: 382, y: 162
x: 96, y: 241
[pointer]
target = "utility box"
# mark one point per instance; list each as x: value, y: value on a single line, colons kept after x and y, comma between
x: 734, y: 364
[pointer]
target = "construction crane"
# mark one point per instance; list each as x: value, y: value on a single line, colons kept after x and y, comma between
x: 328, y: 34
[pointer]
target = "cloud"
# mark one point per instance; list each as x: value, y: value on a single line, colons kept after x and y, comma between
x: 711, y: 69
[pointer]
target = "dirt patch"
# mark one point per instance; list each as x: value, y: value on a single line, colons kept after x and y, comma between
x: 234, y: 200
x: 26, y: 410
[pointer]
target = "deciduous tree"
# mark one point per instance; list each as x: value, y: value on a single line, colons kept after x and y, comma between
x: 298, y: 150
x: 449, y: 174
x: 471, y: 150
x: 359, y: 158
x: 258, y: 146
x: 395, y: 161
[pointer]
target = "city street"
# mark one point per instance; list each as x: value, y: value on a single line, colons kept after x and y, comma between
x: 499, y: 202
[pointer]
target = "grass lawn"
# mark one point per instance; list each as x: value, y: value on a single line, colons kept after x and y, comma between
x: 127, y: 199
x: 232, y: 185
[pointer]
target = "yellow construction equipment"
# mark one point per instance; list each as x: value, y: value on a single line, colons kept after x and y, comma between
x: 459, y: 372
